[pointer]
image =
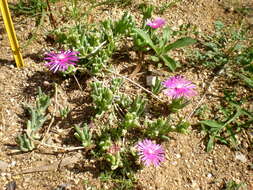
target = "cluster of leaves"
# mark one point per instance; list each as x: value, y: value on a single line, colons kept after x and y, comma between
x: 31, y: 7
x: 232, y: 185
x: 222, y: 47
x: 227, y: 50
x: 232, y: 120
x: 97, y: 43
x: 161, y: 45
x: 122, y: 117
x: 245, y: 60
x: 38, y: 117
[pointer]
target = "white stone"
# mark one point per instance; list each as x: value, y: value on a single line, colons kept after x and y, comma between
x: 241, y: 157
x: 13, y: 163
x: 178, y: 155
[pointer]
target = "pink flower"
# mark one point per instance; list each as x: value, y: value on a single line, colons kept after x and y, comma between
x: 178, y: 87
x: 150, y: 153
x: 61, y: 61
x: 157, y: 23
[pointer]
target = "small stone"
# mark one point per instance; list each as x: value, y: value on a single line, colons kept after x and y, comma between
x: 194, y: 185
x: 209, y: 175
x: 133, y: 54
x: 3, y: 166
x: 178, y: 155
x: 180, y: 22
x: 46, y: 83
x: 150, y: 80
x: 241, y: 157
x: 13, y: 163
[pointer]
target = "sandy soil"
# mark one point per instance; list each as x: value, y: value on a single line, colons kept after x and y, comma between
x: 187, y: 166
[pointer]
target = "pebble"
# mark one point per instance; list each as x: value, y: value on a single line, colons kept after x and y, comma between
x: 3, y: 165
x: 241, y: 157
x: 209, y: 175
x: 178, y: 155
x: 46, y: 83
x: 180, y: 22
x: 13, y: 163
x: 150, y: 80
x: 194, y: 185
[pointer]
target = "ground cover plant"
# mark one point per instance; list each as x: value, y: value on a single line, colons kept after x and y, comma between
x: 113, y: 98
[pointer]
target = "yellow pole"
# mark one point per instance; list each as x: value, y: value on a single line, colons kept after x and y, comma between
x: 11, y: 33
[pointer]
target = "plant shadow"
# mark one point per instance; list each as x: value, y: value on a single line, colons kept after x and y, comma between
x: 6, y: 62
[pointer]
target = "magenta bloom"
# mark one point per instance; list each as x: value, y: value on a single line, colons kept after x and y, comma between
x: 150, y: 153
x: 61, y: 61
x: 157, y: 23
x: 178, y: 87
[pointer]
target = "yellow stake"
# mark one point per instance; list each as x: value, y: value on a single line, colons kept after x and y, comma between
x: 11, y: 33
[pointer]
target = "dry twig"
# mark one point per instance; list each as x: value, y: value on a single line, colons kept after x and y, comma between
x: 55, y: 166
x: 131, y: 81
